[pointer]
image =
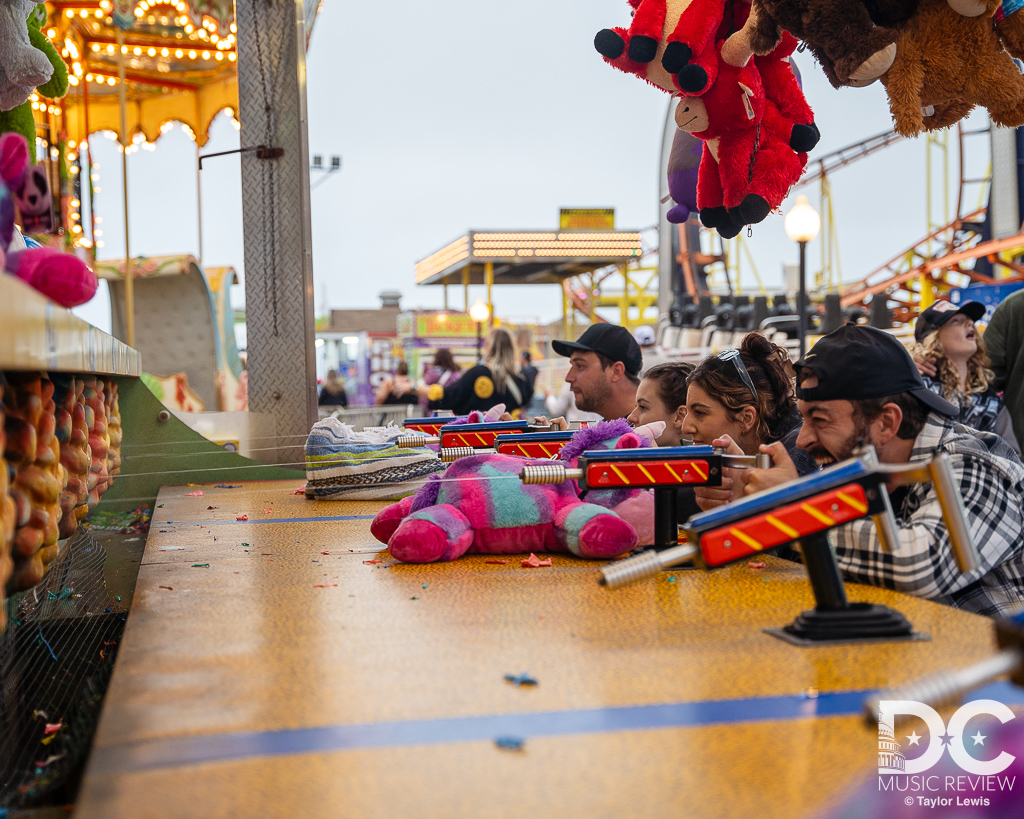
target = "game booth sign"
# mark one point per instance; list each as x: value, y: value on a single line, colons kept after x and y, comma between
x: 423, y: 333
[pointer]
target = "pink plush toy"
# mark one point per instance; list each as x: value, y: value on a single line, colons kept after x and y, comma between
x: 61, y: 277
x: 481, y: 507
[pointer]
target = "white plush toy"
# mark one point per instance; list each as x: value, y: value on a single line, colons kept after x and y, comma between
x: 23, y: 67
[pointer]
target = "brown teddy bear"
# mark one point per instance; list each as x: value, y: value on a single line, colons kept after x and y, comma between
x: 854, y: 42
x: 1010, y: 27
x: 945, y: 64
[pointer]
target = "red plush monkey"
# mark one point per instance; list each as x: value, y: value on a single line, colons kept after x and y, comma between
x: 746, y: 170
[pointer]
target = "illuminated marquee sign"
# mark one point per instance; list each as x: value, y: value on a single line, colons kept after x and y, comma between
x: 586, y: 219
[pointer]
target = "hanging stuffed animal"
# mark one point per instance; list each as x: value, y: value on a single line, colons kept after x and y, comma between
x: 853, y: 41
x: 772, y: 126
x: 746, y: 170
x: 61, y: 277
x: 683, y: 165
x: 1010, y: 27
x: 480, y: 506
x: 15, y: 109
x: 946, y: 61
x: 22, y: 66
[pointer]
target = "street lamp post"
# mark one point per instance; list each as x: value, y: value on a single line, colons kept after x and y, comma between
x: 802, y: 225
x: 479, y: 312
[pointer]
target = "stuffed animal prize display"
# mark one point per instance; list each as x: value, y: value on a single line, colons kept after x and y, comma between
x: 728, y: 61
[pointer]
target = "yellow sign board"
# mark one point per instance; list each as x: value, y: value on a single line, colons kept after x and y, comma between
x: 586, y: 219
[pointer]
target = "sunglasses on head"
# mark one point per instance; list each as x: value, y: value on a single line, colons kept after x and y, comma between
x: 737, y: 362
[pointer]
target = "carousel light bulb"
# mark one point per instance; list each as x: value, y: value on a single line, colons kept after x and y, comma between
x: 76, y: 228
x: 179, y: 53
x: 151, y: 52
x: 192, y: 55
x: 69, y: 13
x: 206, y: 55
x: 110, y: 49
x: 164, y: 52
x: 95, y: 47
x: 232, y: 56
x: 51, y: 33
x: 83, y: 13
x: 219, y: 56
x: 99, y: 220
x: 137, y: 51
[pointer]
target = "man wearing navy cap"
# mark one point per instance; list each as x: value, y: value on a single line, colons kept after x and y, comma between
x: 860, y: 385
x: 604, y: 370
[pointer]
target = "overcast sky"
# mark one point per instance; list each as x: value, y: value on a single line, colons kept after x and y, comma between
x: 461, y: 114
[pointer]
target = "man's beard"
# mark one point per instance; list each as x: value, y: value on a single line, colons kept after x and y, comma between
x: 845, y: 450
x: 592, y: 401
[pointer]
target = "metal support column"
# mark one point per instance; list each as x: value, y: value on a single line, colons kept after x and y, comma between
x: 465, y: 289
x: 276, y: 220
x: 489, y: 279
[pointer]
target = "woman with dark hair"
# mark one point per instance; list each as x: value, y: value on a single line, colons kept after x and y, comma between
x: 743, y: 399
x: 399, y: 389
x: 661, y: 396
x: 444, y: 371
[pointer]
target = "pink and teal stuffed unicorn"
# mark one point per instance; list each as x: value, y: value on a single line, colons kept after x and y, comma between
x: 480, y: 506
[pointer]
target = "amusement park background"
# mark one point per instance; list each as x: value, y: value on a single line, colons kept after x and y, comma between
x: 467, y: 116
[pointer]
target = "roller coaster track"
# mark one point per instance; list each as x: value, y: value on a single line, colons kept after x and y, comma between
x: 846, y: 155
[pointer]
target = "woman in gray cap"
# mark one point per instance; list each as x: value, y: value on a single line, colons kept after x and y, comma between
x: 946, y: 336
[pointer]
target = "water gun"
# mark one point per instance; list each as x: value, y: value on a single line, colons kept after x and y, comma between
x: 663, y: 469
x: 462, y: 440
x: 800, y: 513
x: 427, y: 426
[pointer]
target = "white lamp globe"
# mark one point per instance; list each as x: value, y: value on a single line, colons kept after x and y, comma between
x: 479, y: 312
x: 802, y: 221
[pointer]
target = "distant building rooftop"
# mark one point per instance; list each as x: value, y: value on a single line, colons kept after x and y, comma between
x: 383, y: 319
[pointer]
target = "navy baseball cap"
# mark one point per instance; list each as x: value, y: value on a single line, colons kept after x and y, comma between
x: 938, y: 313
x: 608, y: 339
x: 856, y: 362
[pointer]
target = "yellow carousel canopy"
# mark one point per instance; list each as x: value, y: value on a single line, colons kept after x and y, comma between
x: 179, y: 58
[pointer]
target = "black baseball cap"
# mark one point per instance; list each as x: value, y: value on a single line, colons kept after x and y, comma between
x: 934, y: 316
x: 608, y: 339
x: 856, y: 362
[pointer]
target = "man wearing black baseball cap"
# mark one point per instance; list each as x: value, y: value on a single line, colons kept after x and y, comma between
x: 860, y: 385
x: 604, y: 370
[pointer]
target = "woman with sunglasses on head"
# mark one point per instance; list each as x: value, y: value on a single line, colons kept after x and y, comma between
x: 741, y: 399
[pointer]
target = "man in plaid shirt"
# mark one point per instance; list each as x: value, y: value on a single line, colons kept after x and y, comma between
x: 859, y: 385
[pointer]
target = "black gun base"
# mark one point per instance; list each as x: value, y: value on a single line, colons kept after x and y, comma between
x: 856, y: 623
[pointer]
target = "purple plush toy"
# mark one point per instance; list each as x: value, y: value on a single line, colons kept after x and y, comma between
x: 61, y: 277
x: 683, y: 162
x: 481, y: 507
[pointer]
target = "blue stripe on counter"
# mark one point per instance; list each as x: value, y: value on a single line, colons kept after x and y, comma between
x: 195, y: 750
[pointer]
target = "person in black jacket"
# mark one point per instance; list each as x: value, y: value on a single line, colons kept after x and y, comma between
x: 495, y: 381
x: 332, y: 393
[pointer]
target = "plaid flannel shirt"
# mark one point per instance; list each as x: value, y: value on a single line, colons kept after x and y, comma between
x: 991, y: 481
